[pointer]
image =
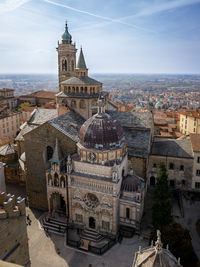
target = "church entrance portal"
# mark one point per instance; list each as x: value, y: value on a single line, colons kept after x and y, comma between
x: 92, y: 222
x: 58, y: 204
x: 152, y: 181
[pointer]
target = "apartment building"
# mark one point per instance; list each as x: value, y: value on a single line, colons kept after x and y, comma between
x: 7, y: 98
x: 195, y: 142
x: 190, y: 122
x: 9, y: 123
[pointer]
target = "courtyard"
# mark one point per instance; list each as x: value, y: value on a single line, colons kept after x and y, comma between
x: 50, y: 250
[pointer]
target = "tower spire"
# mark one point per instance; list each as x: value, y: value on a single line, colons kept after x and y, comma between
x: 81, y: 61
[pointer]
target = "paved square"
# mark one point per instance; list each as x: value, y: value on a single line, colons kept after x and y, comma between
x: 51, y: 251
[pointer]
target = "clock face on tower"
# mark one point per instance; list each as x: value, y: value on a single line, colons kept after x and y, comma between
x: 92, y: 156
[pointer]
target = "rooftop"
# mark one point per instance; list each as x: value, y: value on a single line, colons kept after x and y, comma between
x: 195, y: 141
x: 7, y: 150
x: 41, y: 115
x: 191, y: 113
x: 6, y: 90
x: 69, y: 124
x: 81, y: 81
x: 178, y: 148
x: 138, y: 142
x: 133, y: 119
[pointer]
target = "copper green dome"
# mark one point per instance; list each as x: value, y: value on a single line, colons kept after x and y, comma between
x: 66, y: 35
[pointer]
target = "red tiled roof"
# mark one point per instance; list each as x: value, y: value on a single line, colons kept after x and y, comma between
x: 195, y: 140
x: 6, y: 90
x: 191, y: 113
x: 44, y: 94
x: 5, y: 140
x: 28, y: 108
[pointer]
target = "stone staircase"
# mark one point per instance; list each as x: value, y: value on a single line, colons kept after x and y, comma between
x: 91, y: 235
x: 54, y: 226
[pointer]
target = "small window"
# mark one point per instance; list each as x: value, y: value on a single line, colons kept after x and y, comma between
x: 172, y: 183
x: 127, y: 213
x: 183, y: 182
x: 197, y: 185
x: 194, y: 130
x: 154, y: 165
x: 49, y: 152
x: 198, y: 159
x: 181, y: 168
x: 198, y: 172
x: 171, y: 166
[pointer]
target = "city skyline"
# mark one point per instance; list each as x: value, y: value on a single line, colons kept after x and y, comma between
x: 139, y: 37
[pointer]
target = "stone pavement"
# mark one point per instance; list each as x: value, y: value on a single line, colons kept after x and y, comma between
x: 191, y: 215
x: 52, y: 252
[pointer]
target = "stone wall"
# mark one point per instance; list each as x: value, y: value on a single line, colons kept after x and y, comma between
x: 139, y: 166
x: 176, y: 173
x: 35, y: 145
x: 13, y: 233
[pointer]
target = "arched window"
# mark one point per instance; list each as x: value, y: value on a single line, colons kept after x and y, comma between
x: 56, y: 182
x: 72, y: 64
x: 49, y: 152
x: 73, y: 104
x: 62, y: 182
x: 73, y: 89
x: 64, y: 65
x: 81, y: 89
x: 127, y: 213
x: 82, y: 104
x: 64, y: 102
x: 49, y: 179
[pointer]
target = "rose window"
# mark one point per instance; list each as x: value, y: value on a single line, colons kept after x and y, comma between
x: 91, y: 200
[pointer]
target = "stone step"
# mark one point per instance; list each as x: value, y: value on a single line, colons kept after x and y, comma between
x: 51, y: 228
x: 91, y: 232
x: 45, y: 223
x: 52, y: 220
x: 91, y: 235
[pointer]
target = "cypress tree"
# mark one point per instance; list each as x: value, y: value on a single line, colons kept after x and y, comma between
x: 162, y: 204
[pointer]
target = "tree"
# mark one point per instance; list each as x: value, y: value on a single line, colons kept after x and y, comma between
x: 162, y: 203
x: 25, y: 104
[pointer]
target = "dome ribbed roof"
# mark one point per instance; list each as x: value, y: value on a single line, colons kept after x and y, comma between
x: 131, y: 183
x: 101, y: 132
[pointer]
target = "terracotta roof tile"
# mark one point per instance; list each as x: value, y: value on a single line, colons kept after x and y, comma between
x: 195, y: 140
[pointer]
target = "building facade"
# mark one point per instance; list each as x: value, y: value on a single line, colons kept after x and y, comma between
x: 93, y: 186
x: 195, y: 142
x: 177, y: 156
x: 190, y: 122
x: 7, y: 98
x: 9, y: 123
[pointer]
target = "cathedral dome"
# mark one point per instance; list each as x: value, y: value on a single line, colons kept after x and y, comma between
x: 66, y: 35
x: 101, y: 132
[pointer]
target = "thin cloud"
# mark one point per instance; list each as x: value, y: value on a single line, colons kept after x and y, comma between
x: 96, y: 16
x: 162, y: 7
x: 10, y: 5
x: 149, y: 11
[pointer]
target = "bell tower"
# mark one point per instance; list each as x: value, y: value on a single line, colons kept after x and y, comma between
x: 66, y: 57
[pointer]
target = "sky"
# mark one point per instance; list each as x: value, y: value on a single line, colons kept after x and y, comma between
x: 117, y: 36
